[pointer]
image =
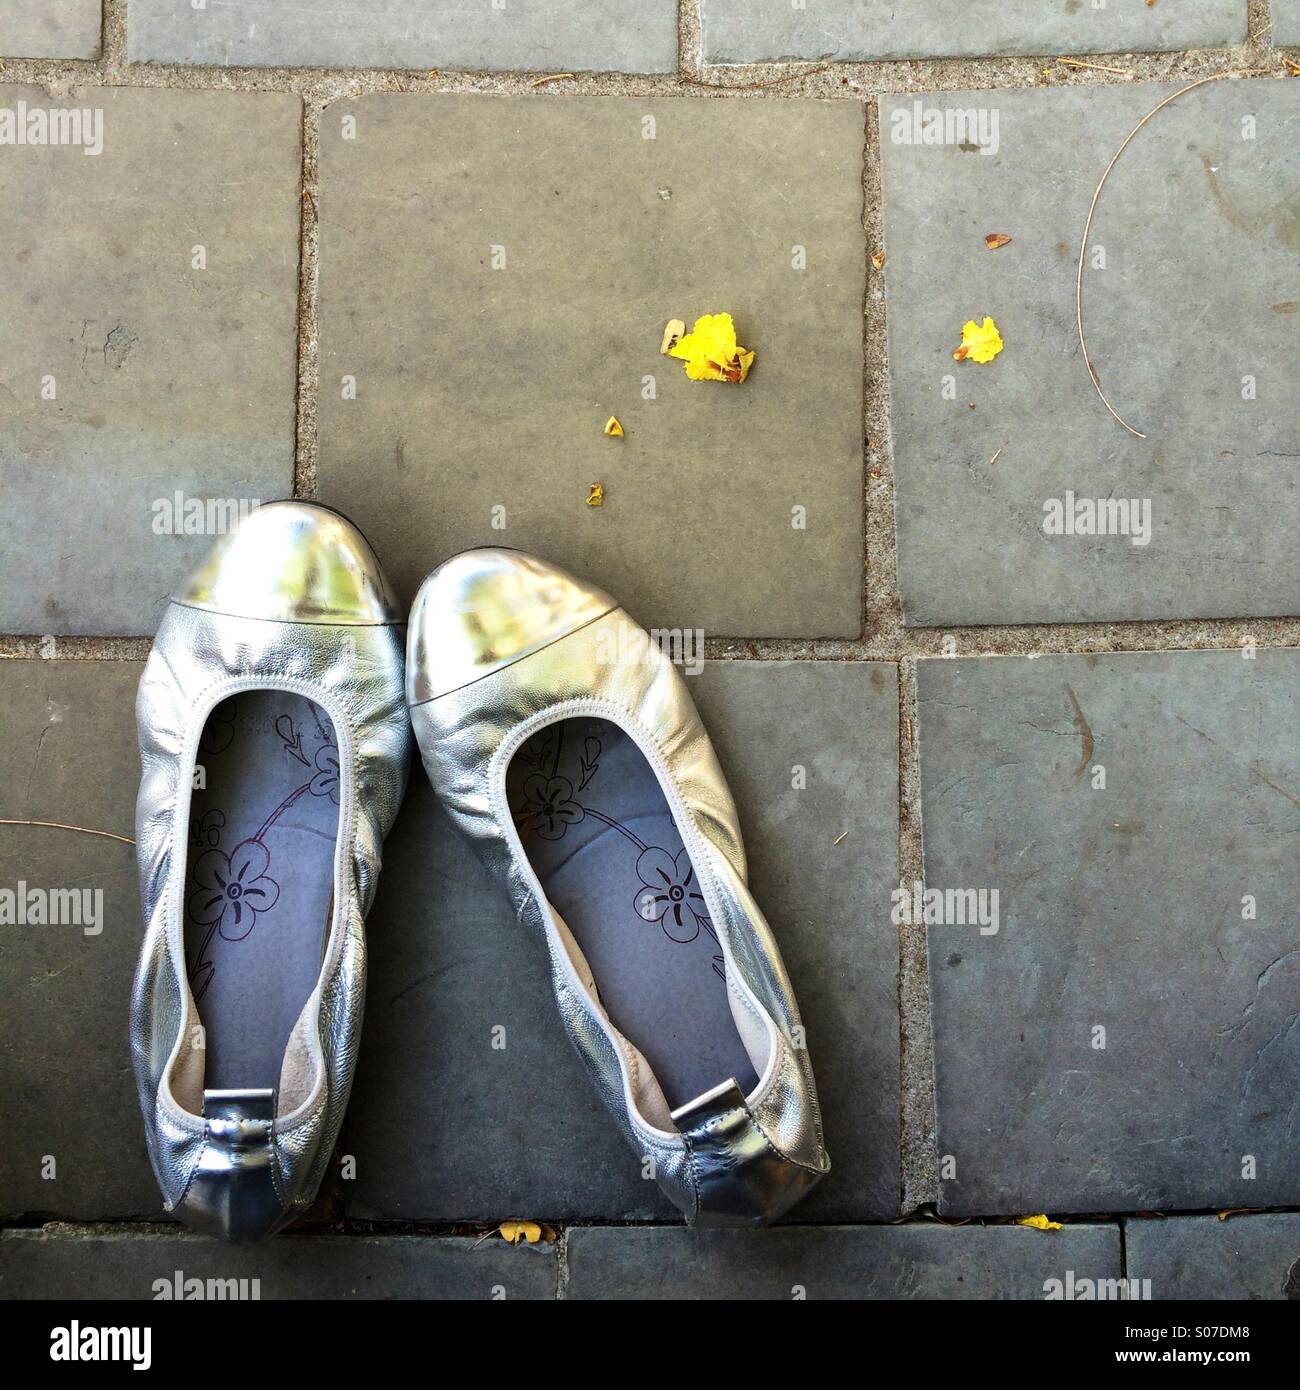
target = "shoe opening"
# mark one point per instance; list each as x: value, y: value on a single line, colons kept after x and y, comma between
x: 602, y: 840
x: 258, y: 892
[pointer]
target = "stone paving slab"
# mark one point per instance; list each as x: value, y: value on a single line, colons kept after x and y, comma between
x: 1285, y: 22
x: 127, y: 375
x: 537, y: 35
x: 836, y: 1262
x: 840, y: 722
x: 481, y: 394
x: 70, y: 1264
x: 750, y: 31
x: 68, y: 754
x: 1194, y: 311
x: 1246, y: 1257
x: 1127, y: 1039
x: 443, y: 1126
x: 50, y: 29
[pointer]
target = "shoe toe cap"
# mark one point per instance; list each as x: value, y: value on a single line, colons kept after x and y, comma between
x: 484, y: 609
x: 293, y: 562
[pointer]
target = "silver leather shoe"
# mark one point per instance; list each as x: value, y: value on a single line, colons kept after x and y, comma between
x: 275, y: 744
x: 566, y: 748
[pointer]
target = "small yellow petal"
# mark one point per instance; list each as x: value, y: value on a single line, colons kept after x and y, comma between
x: 596, y: 495
x: 1039, y: 1223
x: 979, y: 342
x: 613, y: 428
x: 674, y: 331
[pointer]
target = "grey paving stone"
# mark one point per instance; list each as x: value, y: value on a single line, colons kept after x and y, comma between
x: 840, y: 722
x: 445, y: 1127
x: 1255, y: 1257
x: 481, y: 394
x: 746, y: 31
x: 1286, y: 22
x: 126, y: 375
x: 1160, y: 908
x: 559, y: 35
x: 1199, y: 293
x: 41, y: 1264
x: 837, y: 1262
x: 52, y: 29
x: 68, y: 754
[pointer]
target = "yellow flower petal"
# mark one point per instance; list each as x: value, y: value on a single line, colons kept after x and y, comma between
x: 704, y: 369
x: 596, y: 495
x: 1039, y: 1223
x: 713, y: 336
x: 979, y: 342
x: 516, y: 1232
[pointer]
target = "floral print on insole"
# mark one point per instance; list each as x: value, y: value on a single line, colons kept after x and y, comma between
x: 598, y: 831
x: 259, y: 876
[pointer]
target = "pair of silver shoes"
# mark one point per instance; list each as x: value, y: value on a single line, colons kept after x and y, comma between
x: 501, y: 648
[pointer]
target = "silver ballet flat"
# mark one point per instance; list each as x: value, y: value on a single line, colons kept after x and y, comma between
x: 275, y: 744
x: 566, y: 749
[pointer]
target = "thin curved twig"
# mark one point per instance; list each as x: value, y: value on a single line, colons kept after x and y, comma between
x: 61, y: 825
x: 1087, y: 227
x: 754, y: 86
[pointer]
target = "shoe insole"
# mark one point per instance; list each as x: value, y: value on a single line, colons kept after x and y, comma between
x: 601, y: 838
x: 259, y: 878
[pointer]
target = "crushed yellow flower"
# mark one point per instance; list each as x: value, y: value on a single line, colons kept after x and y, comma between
x: 520, y: 1232
x: 979, y: 342
x: 1039, y: 1223
x: 711, y: 352
x: 613, y: 428
x: 596, y: 495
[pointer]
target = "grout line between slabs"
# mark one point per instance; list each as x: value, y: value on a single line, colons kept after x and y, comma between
x: 690, y: 39
x: 562, y: 1264
x: 918, y: 1123
x: 307, y: 433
